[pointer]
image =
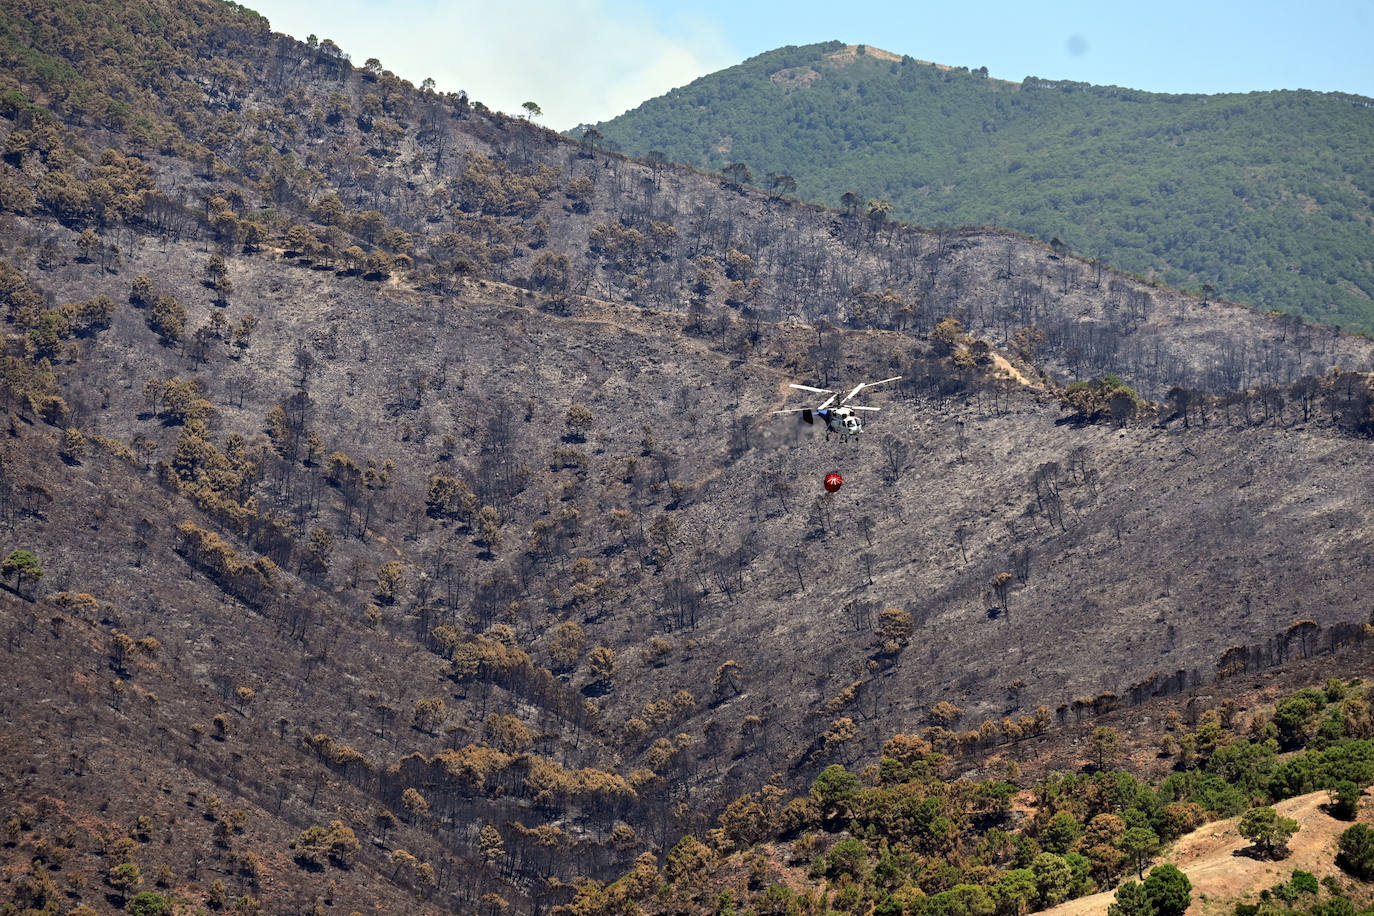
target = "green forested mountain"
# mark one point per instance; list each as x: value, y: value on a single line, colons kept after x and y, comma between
x: 1264, y: 196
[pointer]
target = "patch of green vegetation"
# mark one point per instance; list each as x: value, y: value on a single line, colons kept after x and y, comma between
x: 907, y: 837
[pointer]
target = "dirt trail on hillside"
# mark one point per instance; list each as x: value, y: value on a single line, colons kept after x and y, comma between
x: 1206, y: 857
x: 1011, y: 371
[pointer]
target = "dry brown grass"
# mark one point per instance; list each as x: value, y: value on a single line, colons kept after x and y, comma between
x: 1221, y: 876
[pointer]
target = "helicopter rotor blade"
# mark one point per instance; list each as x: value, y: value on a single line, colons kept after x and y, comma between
x: 857, y: 407
x: 862, y: 385
x: 809, y: 388
x: 828, y: 401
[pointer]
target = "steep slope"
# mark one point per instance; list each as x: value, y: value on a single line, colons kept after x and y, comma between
x: 744, y: 587
x: 1264, y: 197
x: 448, y: 442
x: 1069, y: 815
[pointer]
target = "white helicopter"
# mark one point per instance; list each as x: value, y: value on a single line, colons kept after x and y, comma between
x: 836, y: 412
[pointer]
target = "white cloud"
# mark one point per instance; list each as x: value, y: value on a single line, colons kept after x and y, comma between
x: 580, y: 61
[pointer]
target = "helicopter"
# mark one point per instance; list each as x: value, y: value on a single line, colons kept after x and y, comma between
x: 837, y: 413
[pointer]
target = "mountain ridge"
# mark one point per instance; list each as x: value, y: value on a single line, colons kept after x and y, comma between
x: 1209, y: 198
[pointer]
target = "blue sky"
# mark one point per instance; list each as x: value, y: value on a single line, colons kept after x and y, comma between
x: 584, y: 61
